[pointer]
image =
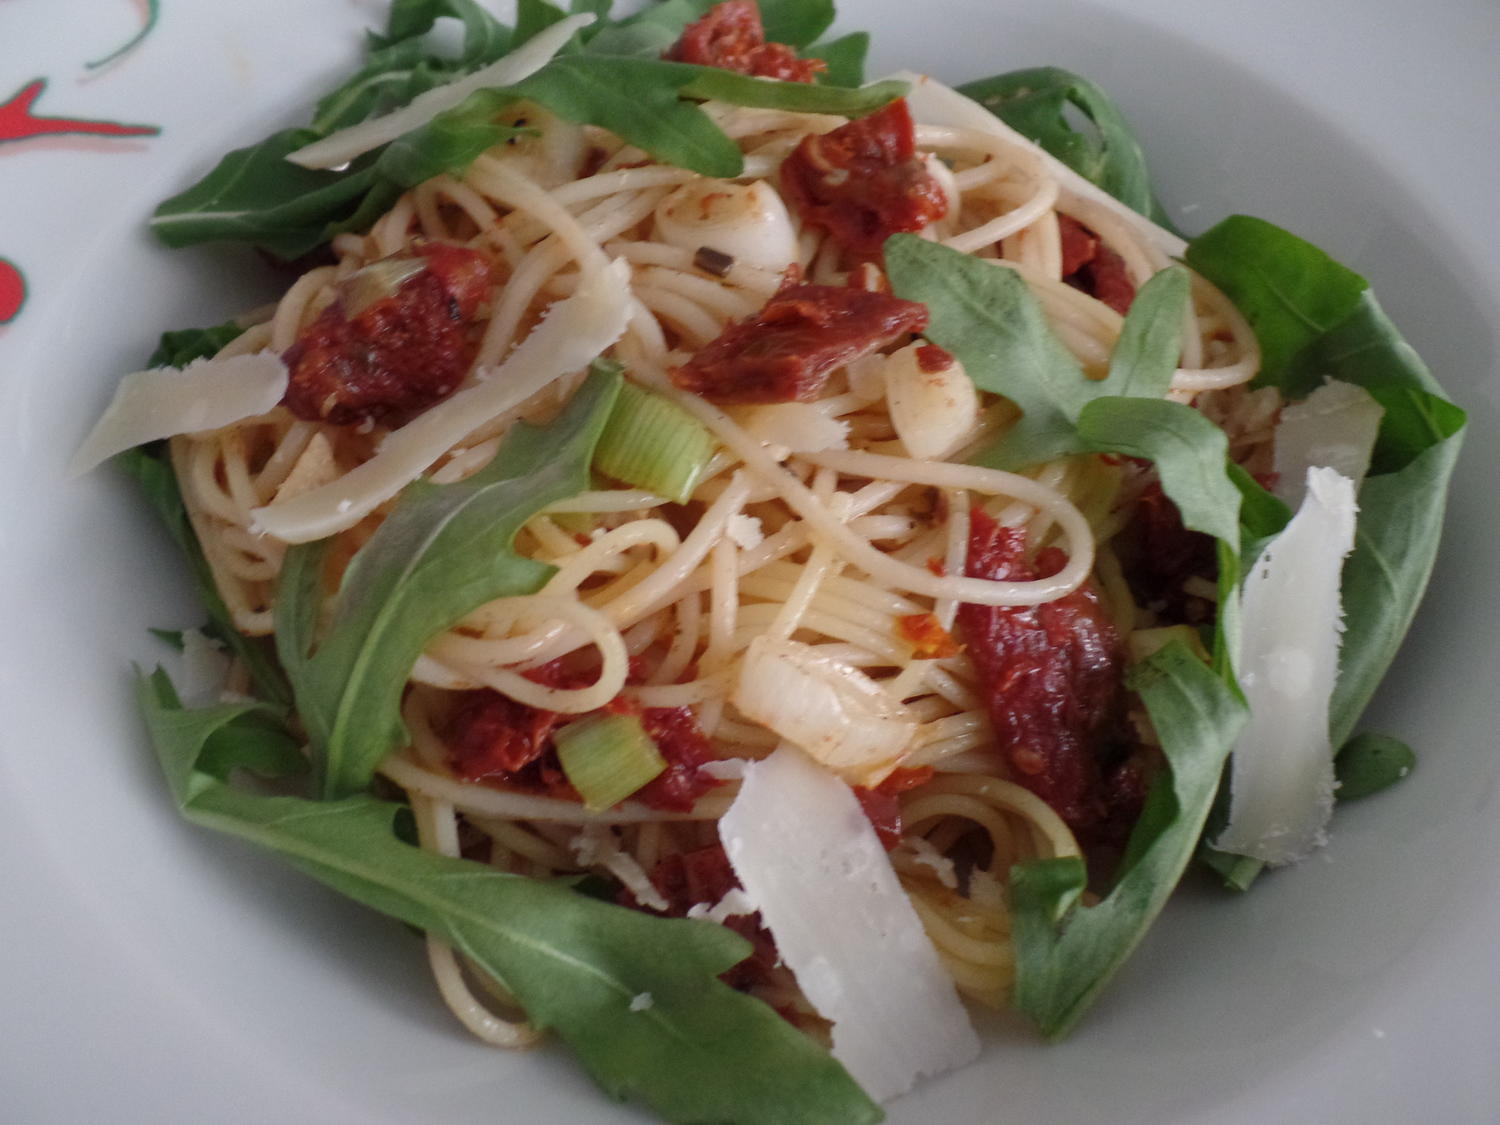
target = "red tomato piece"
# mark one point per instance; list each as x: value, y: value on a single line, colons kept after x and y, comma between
x: 492, y: 739
x: 787, y: 351
x: 686, y: 749
x: 731, y: 37
x: 686, y: 879
x: 884, y: 812
x: 1051, y: 675
x: 864, y: 182
x: 396, y: 354
x: 1089, y: 265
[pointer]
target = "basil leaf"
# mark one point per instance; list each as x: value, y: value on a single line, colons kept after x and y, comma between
x: 180, y: 348
x: 701, y: 1052
x: 485, y: 37
x: 1041, y: 103
x: 1368, y: 763
x: 443, y: 551
x: 1066, y: 953
x: 795, y: 22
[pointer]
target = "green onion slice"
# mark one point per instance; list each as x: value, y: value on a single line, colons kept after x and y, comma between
x: 652, y: 443
x: 607, y: 758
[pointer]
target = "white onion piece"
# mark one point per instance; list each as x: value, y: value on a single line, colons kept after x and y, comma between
x: 809, y: 860
x: 797, y: 427
x: 934, y: 412
x: 572, y: 334
x: 933, y: 103
x: 207, y: 394
x: 749, y: 222
x: 828, y: 708
x: 1335, y: 428
x: 1281, y: 775
x: 344, y: 145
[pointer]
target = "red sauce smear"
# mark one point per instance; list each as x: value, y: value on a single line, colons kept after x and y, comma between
x: 1051, y: 676
x: 731, y: 37
x: 864, y: 182
x: 398, y: 355
x: 1091, y: 266
x: 787, y: 351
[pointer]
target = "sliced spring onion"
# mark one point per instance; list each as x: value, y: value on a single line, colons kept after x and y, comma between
x: 607, y: 758
x: 654, y: 444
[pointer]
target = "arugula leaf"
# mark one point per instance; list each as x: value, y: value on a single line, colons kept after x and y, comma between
x: 845, y: 57
x: 1065, y: 953
x: 987, y: 316
x: 1040, y: 103
x: 180, y: 348
x: 612, y: 77
x: 444, y: 550
x: 1290, y: 291
x: 1368, y: 763
x: 151, y: 469
x: 701, y: 1052
x: 1320, y: 320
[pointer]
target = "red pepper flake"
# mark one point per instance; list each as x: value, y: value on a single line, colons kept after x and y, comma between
x: 398, y: 355
x: 932, y: 359
x: 787, y: 351
x: 731, y: 37
x: 927, y: 637
x: 864, y: 182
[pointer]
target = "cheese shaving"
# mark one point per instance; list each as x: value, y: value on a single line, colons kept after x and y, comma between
x: 1335, y: 428
x: 573, y: 333
x: 340, y: 147
x: 1281, y: 779
x: 162, y: 402
x: 811, y: 863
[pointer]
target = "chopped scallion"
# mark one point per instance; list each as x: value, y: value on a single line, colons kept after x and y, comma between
x: 607, y: 758
x: 652, y: 443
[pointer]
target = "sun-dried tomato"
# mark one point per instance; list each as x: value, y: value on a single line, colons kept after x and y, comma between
x: 1091, y: 266
x: 491, y: 738
x: 686, y: 879
x: 731, y: 37
x: 1051, y: 677
x: 864, y: 182
x: 686, y: 749
x: 884, y: 813
x: 399, y: 353
x: 787, y: 351
x: 1158, y: 555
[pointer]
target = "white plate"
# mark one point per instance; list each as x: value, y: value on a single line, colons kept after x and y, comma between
x: 154, y: 973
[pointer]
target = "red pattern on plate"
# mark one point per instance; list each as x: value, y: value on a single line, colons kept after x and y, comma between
x: 18, y: 123
x: 12, y: 291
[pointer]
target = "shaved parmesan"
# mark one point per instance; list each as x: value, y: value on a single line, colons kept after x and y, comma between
x: 1334, y: 428
x: 1281, y: 775
x: 811, y: 863
x: 933, y: 103
x: 205, y: 669
x: 572, y: 334
x: 744, y: 531
x: 829, y: 709
x: 207, y: 394
x: 797, y: 427
x: 344, y: 145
